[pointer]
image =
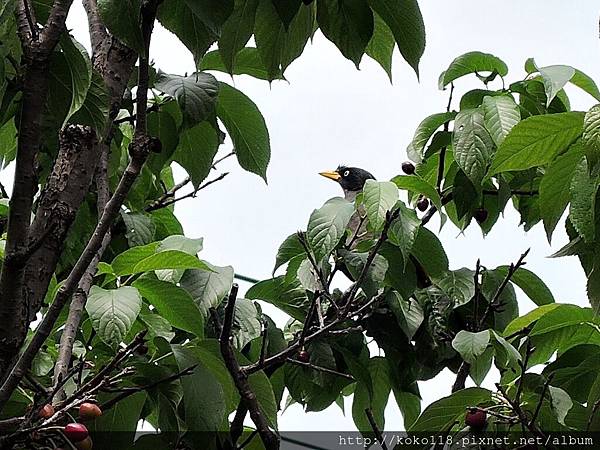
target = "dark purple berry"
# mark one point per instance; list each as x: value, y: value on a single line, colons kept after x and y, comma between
x: 480, y: 215
x: 408, y: 168
x: 423, y: 204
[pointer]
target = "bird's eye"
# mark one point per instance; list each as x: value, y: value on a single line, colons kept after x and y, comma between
x: 346, y: 173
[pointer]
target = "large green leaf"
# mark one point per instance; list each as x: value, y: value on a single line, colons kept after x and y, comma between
x: 140, y: 228
x: 327, y: 225
x: 458, y: 285
x: 247, y: 324
x: 279, y: 46
x: 501, y: 114
x: 536, y: 140
x: 348, y: 24
x: 423, y: 133
x: 247, y: 129
x: 430, y: 253
x: 404, y: 229
x: 122, y: 18
x: 414, y: 183
x: 236, y: 31
x: 472, y: 144
x: 406, y: 22
x: 124, y: 263
x: 561, y: 403
x: 173, y: 303
x: 289, y: 297
x: 443, y: 414
x: 524, y: 321
x: 591, y: 135
x: 289, y: 249
x: 555, y: 78
x: 8, y: 143
x: 80, y: 67
x: 375, y: 273
x: 472, y: 62
x: 113, y: 312
x: 381, y: 46
x: 409, y: 314
x: 582, y: 212
x: 554, y: 187
x: 169, y: 259
x: 586, y: 83
x: 531, y: 284
x: 213, y: 13
x: 196, y: 150
x: 178, y: 16
x: 248, y: 62
x: 377, y: 402
x: 208, y: 289
x: 204, y: 408
x: 471, y: 345
x: 379, y: 198
x: 196, y: 94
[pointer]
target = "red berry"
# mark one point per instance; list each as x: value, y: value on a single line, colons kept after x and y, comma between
x: 476, y: 419
x: 89, y: 411
x: 76, y: 432
x: 480, y: 215
x: 46, y: 411
x: 303, y: 356
x: 423, y: 204
x: 85, y: 444
x: 408, y: 168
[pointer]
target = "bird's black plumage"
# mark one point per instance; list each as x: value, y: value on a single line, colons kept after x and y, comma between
x: 353, y: 179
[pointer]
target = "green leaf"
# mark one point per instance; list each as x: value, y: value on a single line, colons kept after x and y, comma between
x: 501, y: 114
x: 161, y: 124
x: 458, y: 285
x: 524, y: 321
x: 423, y: 133
x: 471, y: 345
x: 247, y: 129
x: 379, y: 197
x: 505, y: 352
x: 8, y: 143
x: 377, y: 402
x: 116, y: 428
x: 246, y: 323
x: 583, y: 81
x: 562, y: 317
x: 279, y: 46
x: 236, y: 31
x: 139, y: 228
x: 479, y: 368
x: 536, y: 140
x: 561, y: 403
x: 375, y: 273
x: 472, y: 62
x: 196, y: 151
x: 124, y: 263
x: 178, y: 16
x: 289, y: 249
x: 443, y: 414
x: 583, y: 201
x: 286, y: 10
x: 591, y: 135
x: 169, y: 259
x: 213, y: 13
x: 180, y: 242
x: 381, y: 46
x: 555, y: 78
x: 472, y: 144
x: 414, y: 183
x: 173, y: 303
x: 113, y: 312
x: 430, y: 253
x: 204, y: 408
x: 406, y: 22
x: 409, y: 314
x: 404, y: 229
x: 80, y: 68
x: 42, y: 364
x: 409, y: 405
x: 122, y: 18
x: 531, y: 284
x: 348, y: 24
x: 327, y: 225
x: 195, y: 94
x: 289, y: 297
x: 208, y: 289
x: 593, y: 288
x: 554, y: 192
x: 248, y: 62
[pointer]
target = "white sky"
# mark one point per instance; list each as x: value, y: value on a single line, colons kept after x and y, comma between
x: 330, y: 113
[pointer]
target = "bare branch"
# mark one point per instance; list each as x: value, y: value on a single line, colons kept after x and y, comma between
x: 240, y: 378
x: 375, y: 428
x: 321, y: 369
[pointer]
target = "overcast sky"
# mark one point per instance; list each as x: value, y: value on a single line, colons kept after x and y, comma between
x: 330, y: 113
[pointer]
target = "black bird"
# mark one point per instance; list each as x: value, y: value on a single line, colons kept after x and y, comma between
x: 351, y: 179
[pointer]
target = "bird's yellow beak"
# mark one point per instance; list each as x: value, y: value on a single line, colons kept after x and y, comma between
x: 332, y: 175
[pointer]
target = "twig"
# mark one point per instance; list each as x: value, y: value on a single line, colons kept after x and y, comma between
x: 532, y: 193
x: 240, y: 378
x: 375, y: 428
x: 539, y: 405
x: 264, y: 342
x: 433, y: 209
x: 237, y: 424
x: 320, y: 369
x: 442, y: 160
x: 520, y: 413
x: 592, y: 414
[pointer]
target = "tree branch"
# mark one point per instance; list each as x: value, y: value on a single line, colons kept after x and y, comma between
x: 321, y: 369
x: 375, y: 428
x: 240, y: 378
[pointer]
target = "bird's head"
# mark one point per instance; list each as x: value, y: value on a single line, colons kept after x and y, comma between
x: 351, y: 179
